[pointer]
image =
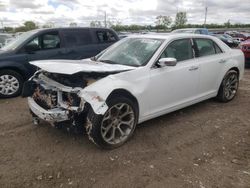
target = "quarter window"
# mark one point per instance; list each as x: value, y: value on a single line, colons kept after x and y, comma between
x: 180, y: 50
x: 217, y: 49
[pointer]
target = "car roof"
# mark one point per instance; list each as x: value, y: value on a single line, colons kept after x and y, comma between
x: 69, y: 28
x: 170, y: 36
x: 188, y: 29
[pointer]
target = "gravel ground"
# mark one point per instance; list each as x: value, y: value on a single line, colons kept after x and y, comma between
x: 205, y: 145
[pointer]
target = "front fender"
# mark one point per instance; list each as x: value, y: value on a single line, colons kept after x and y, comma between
x: 97, y: 93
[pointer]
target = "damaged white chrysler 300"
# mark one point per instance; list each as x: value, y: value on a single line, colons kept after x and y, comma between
x: 136, y: 79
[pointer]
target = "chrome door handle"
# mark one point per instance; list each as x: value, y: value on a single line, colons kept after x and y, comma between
x: 193, y: 68
x: 222, y: 61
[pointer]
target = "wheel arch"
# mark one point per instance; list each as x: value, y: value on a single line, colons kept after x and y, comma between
x: 13, y: 69
x: 20, y: 70
x: 220, y: 94
x: 235, y: 69
x: 223, y: 74
x: 125, y: 93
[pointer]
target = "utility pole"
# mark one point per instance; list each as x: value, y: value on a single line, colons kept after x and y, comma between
x: 1, y: 23
x: 205, y: 16
x: 105, y: 19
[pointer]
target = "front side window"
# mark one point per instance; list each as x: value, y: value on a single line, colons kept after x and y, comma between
x: 206, y: 47
x: 130, y: 51
x: 180, y: 50
x: 44, y: 42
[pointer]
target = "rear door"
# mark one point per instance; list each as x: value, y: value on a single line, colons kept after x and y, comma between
x: 212, y: 60
x: 78, y: 44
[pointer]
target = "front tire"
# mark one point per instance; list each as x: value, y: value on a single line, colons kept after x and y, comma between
x: 116, y: 126
x: 228, y: 87
x: 11, y: 83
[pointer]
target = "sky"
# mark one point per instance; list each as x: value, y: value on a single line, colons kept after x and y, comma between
x: 142, y: 12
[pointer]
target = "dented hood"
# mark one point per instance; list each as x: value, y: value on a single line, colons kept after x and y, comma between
x: 74, y: 66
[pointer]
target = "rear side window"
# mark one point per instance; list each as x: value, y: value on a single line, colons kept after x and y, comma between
x: 180, y: 50
x: 105, y: 36
x: 206, y: 47
x: 50, y: 41
x: 77, y: 37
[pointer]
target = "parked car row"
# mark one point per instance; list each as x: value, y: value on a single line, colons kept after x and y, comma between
x: 240, y: 36
x: 227, y: 39
x: 41, y: 44
x: 243, y: 39
x: 5, y: 39
x: 245, y: 47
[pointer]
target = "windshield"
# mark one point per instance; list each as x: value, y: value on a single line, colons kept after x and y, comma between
x: 12, y: 45
x: 130, y: 51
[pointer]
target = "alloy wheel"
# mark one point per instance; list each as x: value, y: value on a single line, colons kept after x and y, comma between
x: 8, y: 85
x: 117, y: 123
x: 231, y: 86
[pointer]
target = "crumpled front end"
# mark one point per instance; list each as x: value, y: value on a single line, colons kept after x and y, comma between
x: 52, y: 98
x: 53, y: 115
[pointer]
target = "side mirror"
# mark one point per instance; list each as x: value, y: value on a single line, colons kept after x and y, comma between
x: 167, y: 62
x: 31, y: 48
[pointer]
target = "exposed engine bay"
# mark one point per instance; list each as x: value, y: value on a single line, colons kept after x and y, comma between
x: 46, y: 87
x: 55, y: 97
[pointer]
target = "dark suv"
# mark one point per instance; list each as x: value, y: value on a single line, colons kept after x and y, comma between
x: 40, y: 44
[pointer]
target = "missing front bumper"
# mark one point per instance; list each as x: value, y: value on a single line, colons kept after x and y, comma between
x: 52, y: 115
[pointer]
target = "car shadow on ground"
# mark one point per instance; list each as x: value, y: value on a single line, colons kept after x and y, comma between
x: 163, y: 122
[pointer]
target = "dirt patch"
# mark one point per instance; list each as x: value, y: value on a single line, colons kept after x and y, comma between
x: 205, y: 145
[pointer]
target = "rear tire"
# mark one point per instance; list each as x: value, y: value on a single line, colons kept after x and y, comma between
x: 11, y: 83
x: 229, y: 86
x: 116, y: 126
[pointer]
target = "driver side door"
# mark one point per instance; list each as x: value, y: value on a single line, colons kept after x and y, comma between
x: 173, y: 87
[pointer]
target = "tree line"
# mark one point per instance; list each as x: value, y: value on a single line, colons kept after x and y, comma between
x: 162, y: 23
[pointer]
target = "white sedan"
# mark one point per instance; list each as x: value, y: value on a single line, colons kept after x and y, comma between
x: 134, y: 80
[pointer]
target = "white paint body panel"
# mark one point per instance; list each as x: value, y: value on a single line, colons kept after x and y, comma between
x: 74, y: 66
x: 157, y: 90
